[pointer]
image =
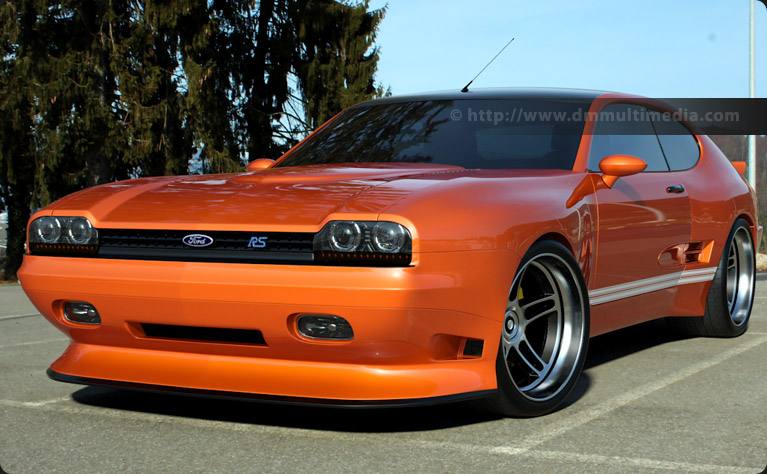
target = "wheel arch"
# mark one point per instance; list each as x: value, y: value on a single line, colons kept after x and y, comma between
x: 584, y: 255
x: 746, y: 217
x: 560, y: 239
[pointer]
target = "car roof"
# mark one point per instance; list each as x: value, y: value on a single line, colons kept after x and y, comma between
x: 499, y: 93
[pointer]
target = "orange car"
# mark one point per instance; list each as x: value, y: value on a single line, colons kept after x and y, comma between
x: 412, y: 250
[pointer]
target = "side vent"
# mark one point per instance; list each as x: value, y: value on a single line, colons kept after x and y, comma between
x: 473, y: 348
x: 689, y: 253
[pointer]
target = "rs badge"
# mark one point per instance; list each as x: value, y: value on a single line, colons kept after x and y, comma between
x: 257, y: 242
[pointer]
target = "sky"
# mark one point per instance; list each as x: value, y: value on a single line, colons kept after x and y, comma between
x: 671, y: 48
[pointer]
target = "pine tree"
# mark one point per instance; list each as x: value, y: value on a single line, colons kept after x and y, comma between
x: 264, y: 77
x: 209, y: 111
x: 150, y: 107
x: 338, y: 58
x: 17, y: 144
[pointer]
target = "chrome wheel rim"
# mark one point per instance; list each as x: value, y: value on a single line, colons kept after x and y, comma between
x: 740, y: 276
x: 544, y: 327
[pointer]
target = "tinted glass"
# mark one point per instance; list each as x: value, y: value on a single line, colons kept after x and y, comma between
x: 679, y: 145
x: 625, y: 129
x: 495, y: 134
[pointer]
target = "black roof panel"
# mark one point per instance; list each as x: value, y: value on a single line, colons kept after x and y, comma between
x: 500, y: 93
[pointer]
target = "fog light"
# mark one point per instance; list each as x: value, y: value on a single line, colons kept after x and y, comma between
x: 325, y: 327
x: 80, y: 312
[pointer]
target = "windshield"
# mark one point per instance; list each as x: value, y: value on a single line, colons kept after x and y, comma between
x: 485, y: 134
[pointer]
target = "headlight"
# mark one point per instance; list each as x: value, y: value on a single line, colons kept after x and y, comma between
x: 363, y: 243
x: 45, y: 230
x: 389, y: 237
x: 345, y: 236
x: 80, y: 231
x: 64, y: 236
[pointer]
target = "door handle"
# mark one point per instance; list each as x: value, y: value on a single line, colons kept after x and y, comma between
x: 675, y: 189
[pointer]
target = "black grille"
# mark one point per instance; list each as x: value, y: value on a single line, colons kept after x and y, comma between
x: 235, y: 247
x: 203, y: 334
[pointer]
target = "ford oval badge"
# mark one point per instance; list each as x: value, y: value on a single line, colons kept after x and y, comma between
x: 197, y: 240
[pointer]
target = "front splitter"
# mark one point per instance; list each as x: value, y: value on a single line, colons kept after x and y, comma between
x: 298, y: 401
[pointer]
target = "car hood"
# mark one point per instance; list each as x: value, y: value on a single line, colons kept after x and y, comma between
x: 297, y: 196
x: 287, y: 199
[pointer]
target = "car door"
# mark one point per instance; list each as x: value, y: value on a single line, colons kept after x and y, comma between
x: 638, y: 218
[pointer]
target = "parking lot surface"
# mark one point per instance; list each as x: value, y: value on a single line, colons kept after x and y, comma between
x: 648, y: 401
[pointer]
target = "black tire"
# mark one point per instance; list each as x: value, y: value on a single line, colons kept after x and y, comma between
x: 545, y: 333
x: 731, y: 296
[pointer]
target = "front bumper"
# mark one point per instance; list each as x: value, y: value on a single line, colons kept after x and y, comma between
x: 410, y: 326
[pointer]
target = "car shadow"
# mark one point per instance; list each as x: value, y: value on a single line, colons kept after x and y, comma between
x: 355, y: 420
x: 623, y: 342
x: 602, y: 349
x: 618, y: 344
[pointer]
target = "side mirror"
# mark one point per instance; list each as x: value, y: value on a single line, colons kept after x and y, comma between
x: 259, y: 164
x: 616, y: 166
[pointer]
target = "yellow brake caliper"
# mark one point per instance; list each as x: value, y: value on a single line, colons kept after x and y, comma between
x: 520, y: 296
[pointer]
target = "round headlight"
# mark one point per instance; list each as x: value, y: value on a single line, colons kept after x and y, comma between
x: 79, y: 230
x: 46, y: 230
x: 389, y: 237
x: 345, y: 236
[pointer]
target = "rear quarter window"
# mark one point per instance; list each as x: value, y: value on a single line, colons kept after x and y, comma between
x: 678, y: 143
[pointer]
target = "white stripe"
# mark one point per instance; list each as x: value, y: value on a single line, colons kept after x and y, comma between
x: 653, y: 280
x: 700, y: 271
x: 648, y: 285
x: 696, y: 279
x: 635, y: 284
x: 633, y: 292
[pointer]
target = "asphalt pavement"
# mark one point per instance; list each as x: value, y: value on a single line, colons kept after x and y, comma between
x: 648, y: 401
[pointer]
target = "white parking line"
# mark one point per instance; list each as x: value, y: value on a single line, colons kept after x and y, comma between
x: 560, y: 426
x: 619, y: 462
x: 18, y: 316
x: 32, y: 343
x: 41, y: 403
x: 622, y: 462
x: 627, y: 463
x: 529, y: 447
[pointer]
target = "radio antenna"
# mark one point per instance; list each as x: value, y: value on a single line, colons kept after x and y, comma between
x: 466, y: 88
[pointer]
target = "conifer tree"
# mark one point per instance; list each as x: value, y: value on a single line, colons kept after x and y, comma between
x: 17, y: 142
x: 337, y: 60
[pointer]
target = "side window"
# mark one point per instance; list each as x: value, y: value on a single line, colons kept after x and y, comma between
x: 625, y: 129
x: 679, y: 145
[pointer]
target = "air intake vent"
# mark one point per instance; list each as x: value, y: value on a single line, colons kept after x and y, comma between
x: 203, y: 334
x: 473, y: 348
